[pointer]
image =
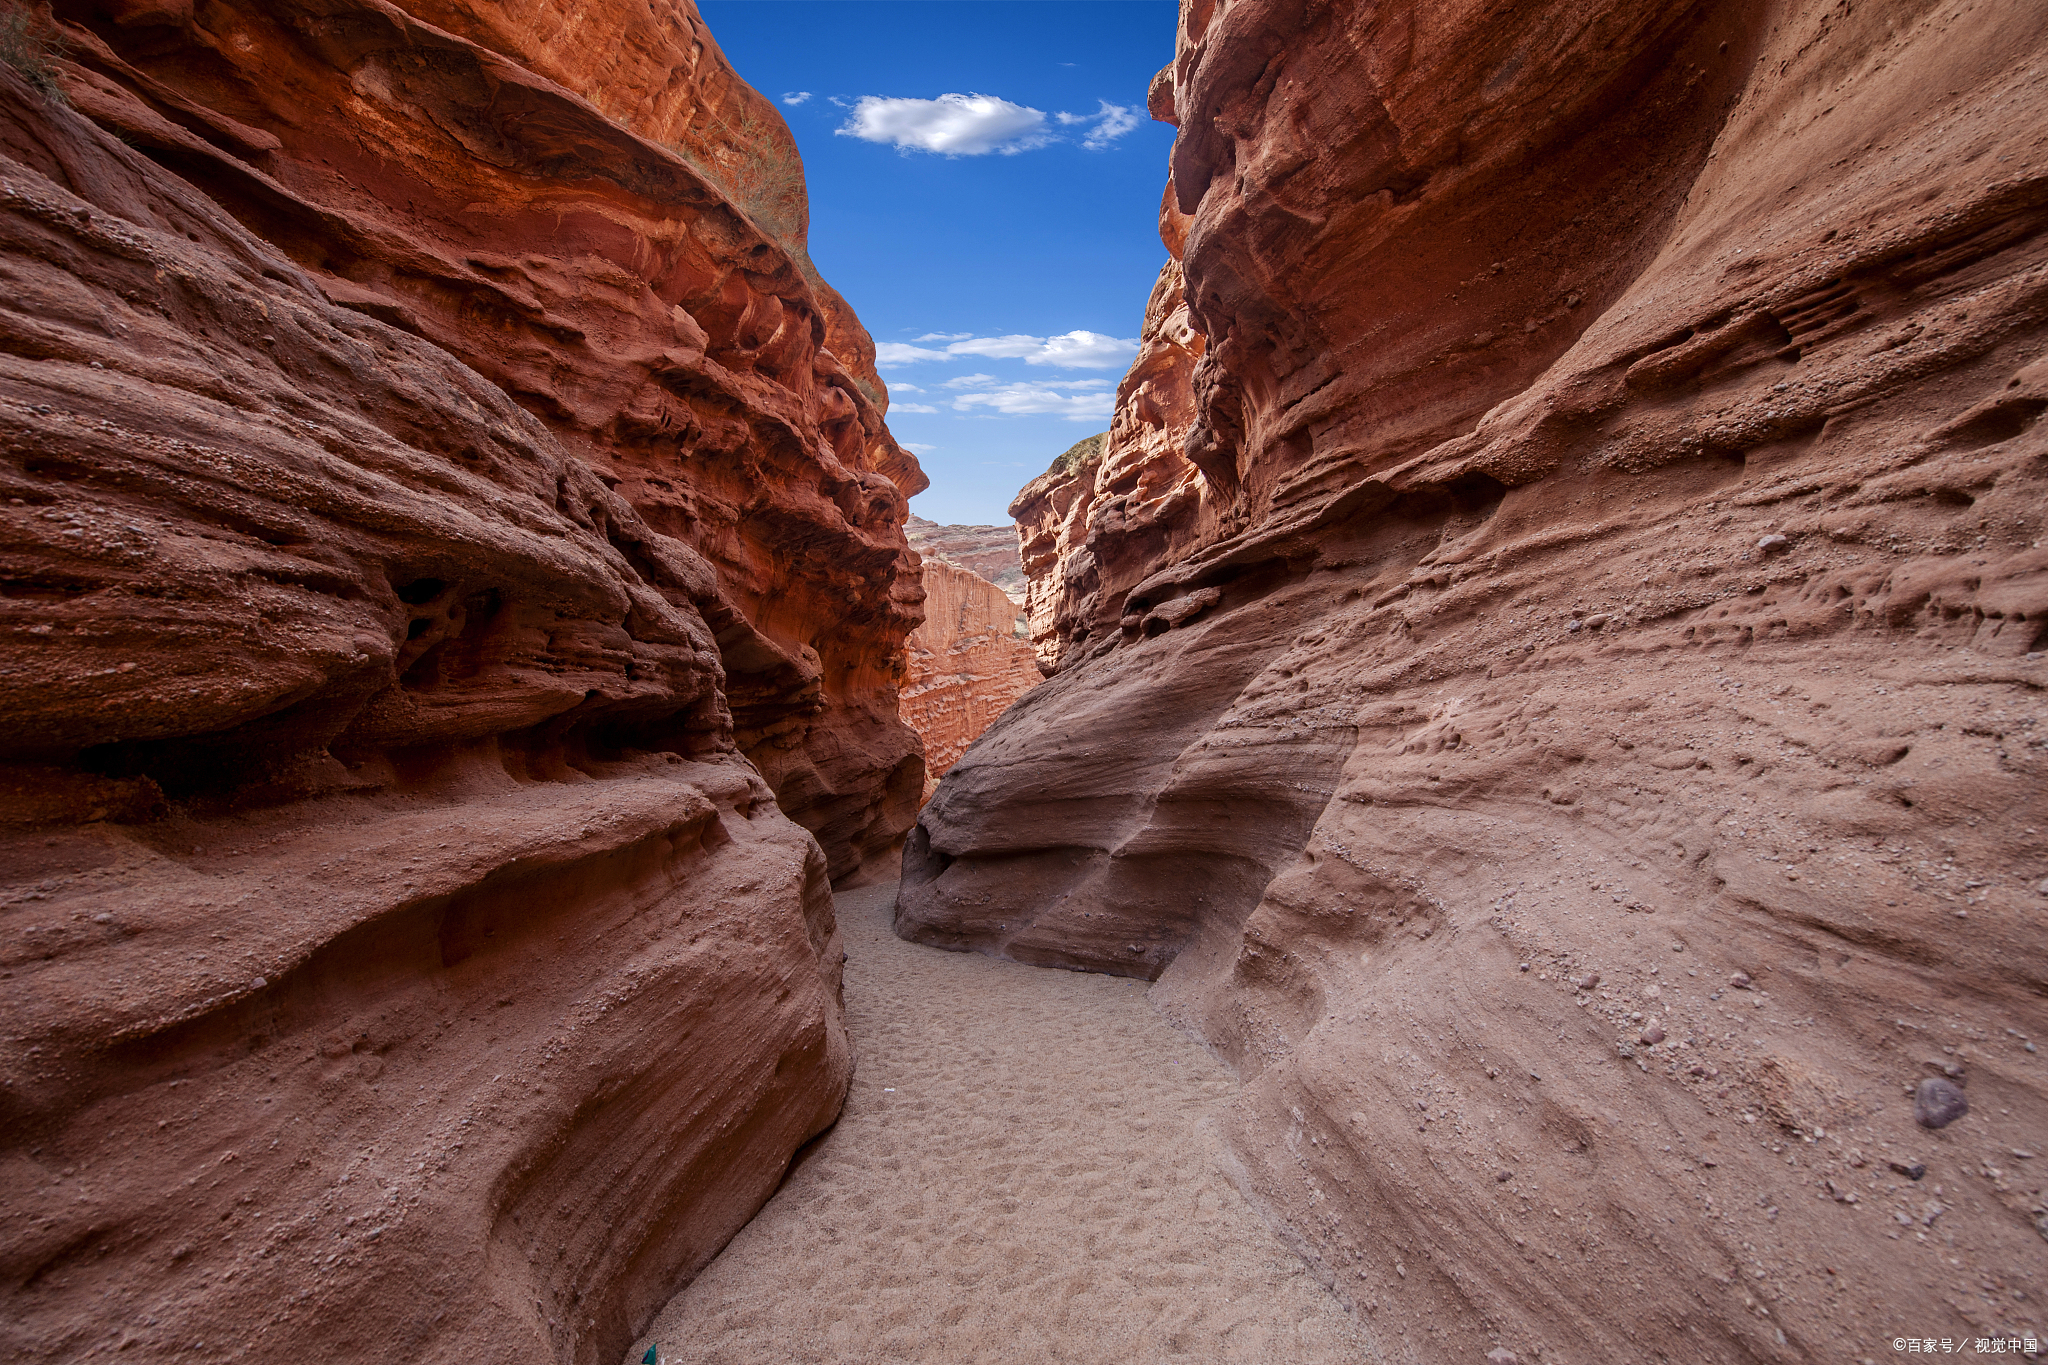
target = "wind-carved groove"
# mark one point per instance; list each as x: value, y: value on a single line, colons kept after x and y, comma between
x: 1819, y: 316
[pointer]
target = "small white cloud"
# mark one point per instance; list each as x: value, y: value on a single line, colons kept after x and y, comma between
x: 1083, y: 351
x: 905, y: 388
x: 912, y: 407
x: 1112, y: 121
x: 917, y: 446
x: 1071, y: 119
x: 951, y: 125
x: 1076, y: 350
x: 1087, y: 401
x: 897, y: 353
x: 972, y: 381
x: 795, y: 97
x: 1013, y: 347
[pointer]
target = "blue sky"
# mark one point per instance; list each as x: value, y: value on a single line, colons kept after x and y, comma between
x: 999, y: 244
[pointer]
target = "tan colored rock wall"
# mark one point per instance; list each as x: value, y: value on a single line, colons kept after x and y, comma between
x: 419, y: 496
x: 1581, y: 757
x: 968, y: 662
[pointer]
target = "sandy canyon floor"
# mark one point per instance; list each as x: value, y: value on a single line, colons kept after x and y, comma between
x: 1024, y: 1171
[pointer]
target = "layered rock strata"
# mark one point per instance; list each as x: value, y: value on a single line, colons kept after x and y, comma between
x: 429, y: 474
x: 990, y: 551
x: 587, y: 207
x: 969, y: 660
x: 1549, y: 666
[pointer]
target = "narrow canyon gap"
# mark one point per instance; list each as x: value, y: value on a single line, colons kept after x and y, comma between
x: 456, y: 593
x: 1548, y: 666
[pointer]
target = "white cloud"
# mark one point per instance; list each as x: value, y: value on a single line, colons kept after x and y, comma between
x: 897, y: 353
x: 912, y: 407
x: 1083, y: 351
x: 951, y: 125
x: 905, y: 388
x: 795, y: 97
x: 1076, y: 350
x: 1014, y: 347
x: 972, y: 381
x: 1112, y: 121
x: 945, y: 336
x: 917, y: 446
x: 1030, y: 398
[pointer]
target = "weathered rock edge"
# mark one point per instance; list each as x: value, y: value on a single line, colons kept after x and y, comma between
x: 401, y: 957
x: 589, y: 209
x: 1549, y: 667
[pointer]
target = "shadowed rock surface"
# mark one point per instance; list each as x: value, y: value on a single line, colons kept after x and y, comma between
x: 1549, y: 670
x: 429, y: 473
x: 585, y: 206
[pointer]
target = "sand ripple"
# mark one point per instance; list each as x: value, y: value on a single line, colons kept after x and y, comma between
x: 1022, y: 1173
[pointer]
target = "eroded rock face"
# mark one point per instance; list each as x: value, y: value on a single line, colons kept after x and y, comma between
x: 1607, y: 779
x: 402, y: 958
x: 587, y: 207
x: 968, y: 661
x: 990, y: 551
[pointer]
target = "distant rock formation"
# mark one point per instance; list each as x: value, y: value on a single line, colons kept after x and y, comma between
x: 1550, y: 670
x: 968, y: 662
x: 990, y: 551
x: 438, y: 491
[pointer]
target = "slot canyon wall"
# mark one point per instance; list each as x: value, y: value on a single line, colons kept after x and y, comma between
x: 1549, y: 666
x: 455, y: 601
x: 968, y: 661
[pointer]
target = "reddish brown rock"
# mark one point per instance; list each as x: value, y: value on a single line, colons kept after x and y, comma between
x: 1613, y: 446
x: 402, y: 958
x: 638, y: 282
x: 990, y: 551
x: 968, y: 661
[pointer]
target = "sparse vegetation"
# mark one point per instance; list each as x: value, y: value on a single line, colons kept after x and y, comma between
x: 27, y: 45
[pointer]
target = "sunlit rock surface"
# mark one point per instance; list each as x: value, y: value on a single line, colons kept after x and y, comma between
x: 968, y: 661
x: 990, y: 551
x: 1549, y: 668
x: 437, y: 492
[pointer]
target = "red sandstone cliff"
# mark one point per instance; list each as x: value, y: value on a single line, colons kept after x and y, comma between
x: 1550, y: 665
x: 432, y: 472
x: 611, y: 229
x: 990, y: 551
x: 968, y: 662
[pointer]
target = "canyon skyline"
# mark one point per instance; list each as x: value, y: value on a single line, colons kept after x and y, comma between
x: 1537, y: 693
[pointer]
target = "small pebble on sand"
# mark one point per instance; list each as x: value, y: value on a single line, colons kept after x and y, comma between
x: 1589, y: 981
x: 1653, y: 1033
x: 1740, y: 981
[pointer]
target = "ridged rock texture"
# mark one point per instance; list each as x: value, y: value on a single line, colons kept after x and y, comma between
x: 1549, y: 666
x: 437, y: 493
x: 970, y: 659
x: 990, y: 551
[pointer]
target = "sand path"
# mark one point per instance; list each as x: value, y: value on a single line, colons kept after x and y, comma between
x: 1022, y: 1173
